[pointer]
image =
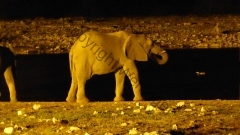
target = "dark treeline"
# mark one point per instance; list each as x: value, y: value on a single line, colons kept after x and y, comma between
x: 17, y: 9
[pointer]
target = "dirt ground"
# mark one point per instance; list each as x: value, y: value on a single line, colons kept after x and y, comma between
x: 190, y: 117
x: 58, y: 35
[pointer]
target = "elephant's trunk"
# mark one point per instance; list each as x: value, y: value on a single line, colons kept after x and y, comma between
x: 164, y: 58
x: 159, y: 55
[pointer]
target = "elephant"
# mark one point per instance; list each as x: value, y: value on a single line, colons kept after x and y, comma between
x: 95, y: 53
x: 7, y: 62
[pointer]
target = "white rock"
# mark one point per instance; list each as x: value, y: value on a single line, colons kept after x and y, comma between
x: 147, y: 133
x: 15, y: 126
x: 133, y: 131
x: 20, y: 112
x: 149, y: 108
x: 192, y: 104
x: 202, y: 109
x: 214, y: 112
x: 169, y: 110
x: 86, y: 133
x: 191, y: 124
x: 54, y: 120
x: 180, y: 104
x: 36, y: 106
x: 61, y: 128
x: 122, y: 113
x: 24, y: 128
x: 74, y: 128
x: 136, y: 111
x: 95, y: 113
x: 108, y: 133
x: 174, y: 127
x: 119, y: 109
x: 151, y: 133
x: 32, y: 117
x: 157, y: 110
x: 141, y: 107
x: 186, y: 23
x: 137, y: 104
x: 188, y: 110
x: 201, y: 114
x: 68, y: 131
x: 9, y: 130
x: 47, y: 120
x: 114, y: 114
x: 124, y: 124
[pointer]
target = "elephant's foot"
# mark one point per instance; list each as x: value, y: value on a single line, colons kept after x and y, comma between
x: 14, y: 100
x: 138, y: 98
x: 71, y: 100
x: 83, y: 100
x: 118, y: 99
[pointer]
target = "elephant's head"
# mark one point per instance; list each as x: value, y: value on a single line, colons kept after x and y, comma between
x: 140, y: 47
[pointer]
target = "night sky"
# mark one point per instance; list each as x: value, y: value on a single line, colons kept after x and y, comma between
x: 18, y: 9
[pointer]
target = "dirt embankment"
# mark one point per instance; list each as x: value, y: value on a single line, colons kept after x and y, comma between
x: 58, y: 35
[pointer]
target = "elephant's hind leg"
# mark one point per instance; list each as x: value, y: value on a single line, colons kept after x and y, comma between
x: 81, y: 97
x: 83, y: 73
x: 120, y: 77
x: 11, y: 85
x: 77, y: 90
x: 73, y: 90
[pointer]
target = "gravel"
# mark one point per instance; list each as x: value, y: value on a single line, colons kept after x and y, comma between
x: 42, y: 35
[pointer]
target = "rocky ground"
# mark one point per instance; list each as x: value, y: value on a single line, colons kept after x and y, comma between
x: 198, y: 117
x: 57, y: 35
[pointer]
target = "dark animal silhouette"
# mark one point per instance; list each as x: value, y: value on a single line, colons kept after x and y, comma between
x: 6, y: 65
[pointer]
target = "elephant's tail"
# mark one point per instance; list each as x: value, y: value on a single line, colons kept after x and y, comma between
x: 71, y: 61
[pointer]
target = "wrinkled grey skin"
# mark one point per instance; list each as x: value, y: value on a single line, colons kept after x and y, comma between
x: 6, y: 64
x: 102, y: 53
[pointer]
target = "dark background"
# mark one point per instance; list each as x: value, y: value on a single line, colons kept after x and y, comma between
x: 47, y: 77
x: 18, y: 9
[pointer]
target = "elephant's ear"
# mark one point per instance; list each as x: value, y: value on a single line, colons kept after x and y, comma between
x: 134, y: 49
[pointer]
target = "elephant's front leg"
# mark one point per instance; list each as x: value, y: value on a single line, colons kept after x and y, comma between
x: 131, y: 71
x: 120, y: 77
x: 11, y: 85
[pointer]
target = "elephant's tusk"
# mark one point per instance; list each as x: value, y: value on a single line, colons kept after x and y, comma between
x: 162, y: 52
